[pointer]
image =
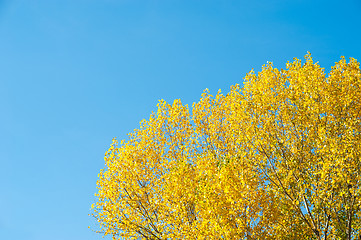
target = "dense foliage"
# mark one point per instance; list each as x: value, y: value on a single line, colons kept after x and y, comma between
x: 279, y: 158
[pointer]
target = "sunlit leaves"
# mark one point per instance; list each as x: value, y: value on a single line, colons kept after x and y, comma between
x: 276, y: 159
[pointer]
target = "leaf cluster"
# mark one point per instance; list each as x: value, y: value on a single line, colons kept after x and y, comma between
x: 276, y: 159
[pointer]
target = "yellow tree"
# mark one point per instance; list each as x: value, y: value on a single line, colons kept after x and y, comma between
x: 276, y: 159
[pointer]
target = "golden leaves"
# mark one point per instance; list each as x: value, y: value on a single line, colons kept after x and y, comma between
x: 276, y: 159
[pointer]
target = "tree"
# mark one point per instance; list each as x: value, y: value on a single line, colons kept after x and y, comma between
x: 279, y: 158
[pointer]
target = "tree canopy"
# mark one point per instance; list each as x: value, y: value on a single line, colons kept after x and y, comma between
x: 278, y: 158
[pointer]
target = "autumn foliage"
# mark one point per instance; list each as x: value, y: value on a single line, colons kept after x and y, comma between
x: 279, y: 158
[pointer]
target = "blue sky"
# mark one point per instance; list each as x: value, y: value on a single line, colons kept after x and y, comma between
x: 76, y: 73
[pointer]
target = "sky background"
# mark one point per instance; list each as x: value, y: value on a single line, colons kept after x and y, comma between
x: 76, y: 73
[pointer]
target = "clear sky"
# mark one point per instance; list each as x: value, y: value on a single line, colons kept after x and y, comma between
x: 76, y: 73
